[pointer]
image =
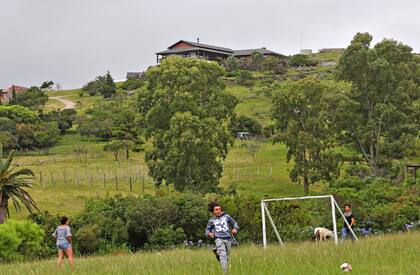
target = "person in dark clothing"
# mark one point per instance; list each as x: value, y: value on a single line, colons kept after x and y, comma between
x: 350, y: 220
x: 220, y: 227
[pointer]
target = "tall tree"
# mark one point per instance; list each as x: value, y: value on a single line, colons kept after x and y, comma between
x: 180, y: 90
x: 47, y: 85
x: 103, y: 84
x: 378, y: 115
x: 188, y: 154
x: 13, y: 185
x: 301, y: 124
x: 33, y: 98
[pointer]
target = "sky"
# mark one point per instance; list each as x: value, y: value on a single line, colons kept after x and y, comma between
x: 71, y: 42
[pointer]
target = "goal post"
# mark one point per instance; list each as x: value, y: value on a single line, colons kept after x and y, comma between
x: 266, y: 213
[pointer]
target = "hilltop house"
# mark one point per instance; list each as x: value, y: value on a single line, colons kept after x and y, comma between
x: 185, y: 48
x: 7, y: 94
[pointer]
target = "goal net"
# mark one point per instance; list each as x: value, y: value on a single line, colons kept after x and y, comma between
x: 310, y: 211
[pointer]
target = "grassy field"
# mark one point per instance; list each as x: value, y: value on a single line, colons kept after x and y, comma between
x: 64, y: 182
x: 390, y: 254
x: 52, y: 105
x: 82, y: 102
x: 251, y: 104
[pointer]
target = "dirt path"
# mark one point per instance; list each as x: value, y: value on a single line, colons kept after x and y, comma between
x: 68, y: 104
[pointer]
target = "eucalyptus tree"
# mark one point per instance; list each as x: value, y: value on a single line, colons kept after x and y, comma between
x: 301, y: 124
x: 379, y: 115
x: 184, y: 106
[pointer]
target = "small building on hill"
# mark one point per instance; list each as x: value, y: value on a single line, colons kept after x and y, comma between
x: 184, y: 48
x: 329, y: 50
x: 7, y: 94
x: 138, y: 75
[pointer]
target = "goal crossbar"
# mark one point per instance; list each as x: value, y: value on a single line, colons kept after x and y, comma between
x: 334, y: 205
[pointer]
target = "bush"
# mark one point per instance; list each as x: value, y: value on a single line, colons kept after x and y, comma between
x: 132, y: 84
x: 9, y: 243
x: 20, y: 240
x: 245, y: 124
x: 243, y: 77
x: 33, y: 98
x: 166, y: 237
x: 18, y: 114
x: 48, y: 223
x: 88, y: 239
x: 301, y: 60
x: 102, y: 221
x: 378, y: 202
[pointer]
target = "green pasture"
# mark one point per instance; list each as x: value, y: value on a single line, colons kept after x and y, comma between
x: 52, y: 105
x: 251, y: 104
x: 389, y: 254
x: 64, y: 180
x: 82, y: 102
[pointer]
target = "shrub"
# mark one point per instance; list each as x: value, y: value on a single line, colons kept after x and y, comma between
x: 9, y: 243
x: 20, y: 240
x: 18, y: 114
x: 378, y: 202
x: 243, y: 76
x: 245, y: 124
x: 48, y: 223
x: 132, y: 84
x: 88, y: 239
x: 166, y: 237
x: 300, y: 60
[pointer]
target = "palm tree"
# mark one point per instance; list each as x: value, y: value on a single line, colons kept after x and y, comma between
x: 12, y: 186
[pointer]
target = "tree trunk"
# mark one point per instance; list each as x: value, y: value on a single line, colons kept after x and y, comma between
x: 306, y: 185
x: 3, y: 209
x: 127, y: 153
x: 3, y: 214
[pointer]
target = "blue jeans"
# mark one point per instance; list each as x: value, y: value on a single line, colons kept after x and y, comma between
x: 346, y: 231
x: 64, y: 245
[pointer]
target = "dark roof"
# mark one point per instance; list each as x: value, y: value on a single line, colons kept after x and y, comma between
x: 216, y: 49
x: 185, y: 50
x: 263, y: 51
x: 205, y: 46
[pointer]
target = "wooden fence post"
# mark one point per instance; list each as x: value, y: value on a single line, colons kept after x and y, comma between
x: 271, y: 170
x: 40, y: 179
x: 52, y: 178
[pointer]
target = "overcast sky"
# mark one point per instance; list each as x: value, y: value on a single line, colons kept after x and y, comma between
x: 73, y: 41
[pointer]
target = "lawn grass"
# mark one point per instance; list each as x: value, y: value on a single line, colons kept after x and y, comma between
x: 251, y: 104
x: 389, y: 254
x: 83, y: 103
x: 52, y: 105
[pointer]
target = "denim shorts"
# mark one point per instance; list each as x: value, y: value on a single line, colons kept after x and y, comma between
x: 64, y: 245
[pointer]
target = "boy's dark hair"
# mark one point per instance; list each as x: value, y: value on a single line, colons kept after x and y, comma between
x: 212, y: 205
x: 63, y: 220
x: 349, y: 205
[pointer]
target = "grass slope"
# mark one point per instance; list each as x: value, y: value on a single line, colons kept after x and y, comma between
x: 390, y: 254
x: 64, y: 183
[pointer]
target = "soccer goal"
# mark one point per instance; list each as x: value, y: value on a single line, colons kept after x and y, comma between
x: 266, y: 213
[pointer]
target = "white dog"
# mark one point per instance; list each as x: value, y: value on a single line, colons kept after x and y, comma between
x: 321, y: 233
